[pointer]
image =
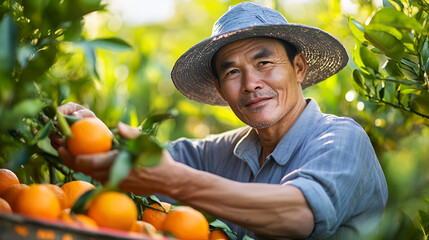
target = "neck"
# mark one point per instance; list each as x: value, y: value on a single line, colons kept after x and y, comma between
x: 270, y: 136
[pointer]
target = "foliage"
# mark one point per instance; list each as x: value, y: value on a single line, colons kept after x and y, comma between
x: 392, y: 60
x: 57, y: 51
x: 392, y: 56
x: 34, y: 34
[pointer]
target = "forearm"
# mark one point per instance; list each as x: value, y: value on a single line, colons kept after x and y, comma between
x: 266, y: 209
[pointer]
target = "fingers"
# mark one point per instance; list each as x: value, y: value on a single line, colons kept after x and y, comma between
x: 66, y: 157
x: 75, y: 110
x: 95, y: 162
x: 95, y: 165
x: 127, y: 131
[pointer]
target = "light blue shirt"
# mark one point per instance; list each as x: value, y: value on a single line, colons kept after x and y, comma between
x: 329, y: 158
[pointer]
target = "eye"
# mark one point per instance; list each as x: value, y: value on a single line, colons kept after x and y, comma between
x: 231, y: 72
x: 262, y: 63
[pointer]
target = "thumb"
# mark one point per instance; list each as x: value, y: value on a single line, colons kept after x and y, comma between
x: 127, y: 131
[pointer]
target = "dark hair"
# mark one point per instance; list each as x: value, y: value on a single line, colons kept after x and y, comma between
x: 291, y: 52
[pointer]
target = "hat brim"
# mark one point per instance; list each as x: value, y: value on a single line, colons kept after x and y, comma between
x: 192, y: 73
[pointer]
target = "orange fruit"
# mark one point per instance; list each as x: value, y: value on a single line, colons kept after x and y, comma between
x: 218, y: 235
x: 65, y: 216
x: 89, y: 135
x: 59, y: 193
x: 75, y: 189
x: 11, y: 194
x: 142, y: 227
x: 4, y: 206
x: 38, y: 201
x: 155, y: 217
x: 85, y: 221
x: 77, y: 220
x: 7, y: 179
x: 186, y: 223
x: 113, y: 210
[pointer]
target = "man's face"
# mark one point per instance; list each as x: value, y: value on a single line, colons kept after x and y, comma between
x: 258, y: 81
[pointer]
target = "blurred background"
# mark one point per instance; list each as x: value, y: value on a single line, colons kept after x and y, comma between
x: 126, y: 84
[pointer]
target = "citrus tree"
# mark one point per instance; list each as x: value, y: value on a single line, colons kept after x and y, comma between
x: 391, y: 58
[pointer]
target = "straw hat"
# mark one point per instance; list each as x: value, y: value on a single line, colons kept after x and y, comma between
x: 192, y: 73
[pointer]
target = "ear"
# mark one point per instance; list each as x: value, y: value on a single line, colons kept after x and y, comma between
x: 300, y: 66
x: 218, y: 88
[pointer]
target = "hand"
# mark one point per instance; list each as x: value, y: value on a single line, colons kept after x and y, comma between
x: 94, y: 165
x: 142, y: 181
x: 72, y: 109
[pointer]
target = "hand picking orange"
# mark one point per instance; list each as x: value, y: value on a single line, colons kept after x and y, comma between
x: 89, y: 136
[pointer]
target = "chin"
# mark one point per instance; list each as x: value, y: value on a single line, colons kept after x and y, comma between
x: 262, y: 125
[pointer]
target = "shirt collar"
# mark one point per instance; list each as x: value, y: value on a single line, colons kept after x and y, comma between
x: 249, y: 148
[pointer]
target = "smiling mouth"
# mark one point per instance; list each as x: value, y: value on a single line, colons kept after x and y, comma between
x: 256, y: 104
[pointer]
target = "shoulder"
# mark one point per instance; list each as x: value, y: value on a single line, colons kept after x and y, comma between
x: 339, y: 127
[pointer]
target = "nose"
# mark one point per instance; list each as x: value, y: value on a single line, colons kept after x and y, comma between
x: 251, y: 81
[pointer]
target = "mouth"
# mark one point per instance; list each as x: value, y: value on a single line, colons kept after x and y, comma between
x: 255, y: 104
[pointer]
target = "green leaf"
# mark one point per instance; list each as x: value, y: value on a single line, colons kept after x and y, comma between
x: 82, y: 203
x: 397, y: 19
x: 111, y: 43
x: 357, y: 77
x: 42, y: 61
x: 90, y: 57
x: 420, y: 103
x: 28, y: 108
x: 120, y: 169
x: 392, y: 68
x: 387, y: 43
x: 369, y: 59
x: 357, y: 29
x: 406, y: 230
x: 425, y: 56
x: 71, y: 119
x: 151, y: 124
x: 44, y: 132
x: 217, y: 224
x: 390, y: 92
x: 64, y: 126
x: 17, y: 157
x: 247, y: 238
x: 8, y: 43
x: 424, y: 221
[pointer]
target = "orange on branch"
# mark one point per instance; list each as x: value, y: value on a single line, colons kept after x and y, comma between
x: 89, y: 136
x: 7, y: 179
x: 74, y: 189
x: 186, y: 223
x: 155, y: 217
x: 113, y: 210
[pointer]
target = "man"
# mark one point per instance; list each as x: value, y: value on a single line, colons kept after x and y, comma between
x: 294, y: 172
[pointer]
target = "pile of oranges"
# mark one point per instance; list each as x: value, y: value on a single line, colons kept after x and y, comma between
x: 109, y: 209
